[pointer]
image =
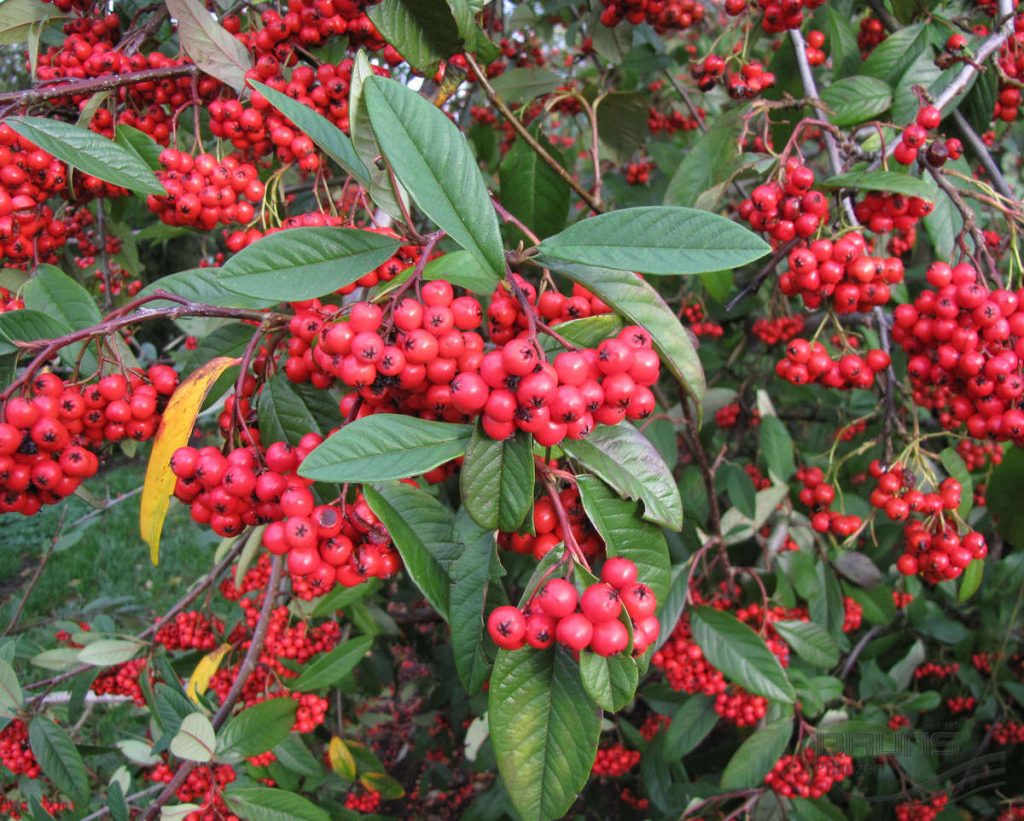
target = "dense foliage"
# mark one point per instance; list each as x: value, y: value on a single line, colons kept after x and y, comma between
x: 605, y: 409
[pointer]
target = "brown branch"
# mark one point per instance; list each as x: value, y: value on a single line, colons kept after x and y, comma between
x: 33, y: 96
x: 592, y: 202
x: 691, y: 438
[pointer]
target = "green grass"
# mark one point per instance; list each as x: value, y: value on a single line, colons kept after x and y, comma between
x: 108, y: 569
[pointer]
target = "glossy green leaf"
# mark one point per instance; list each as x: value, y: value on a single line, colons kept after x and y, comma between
x: 842, y: 44
x: 385, y: 446
x: 433, y: 161
x: 215, y: 50
x: 328, y: 669
x: 609, y: 680
x: 424, y: 32
x: 201, y: 285
x: 856, y: 99
x: 256, y: 729
x: 467, y: 594
x: 544, y: 729
x: 18, y: 17
x: 88, y: 152
x: 892, y: 182
x: 626, y: 460
x: 288, y: 411
x: 626, y: 534
x: 423, y: 532
x: 971, y: 580
x: 894, y: 55
x: 690, y: 725
x: 331, y: 139
x: 10, y: 690
x: 533, y: 191
x: 954, y: 464
x: 740, y: 654
x: 810, y: 641
x: 776, y: 448
x: 633, y: 298
x: 524, y: 83
x: 304, y: 263
x: 757, y: 755
x: 708, y: 162
x: 588, y: 332
x: 108, y: 652
x: 622, y: 123
x: 463, y: 270
x: 195, y: 740
x: 269, y: 804
x: 58, y: 758
x: 657, y: 240
x: 54, y: 293
x: 497, y: 479
x: 141, y: 143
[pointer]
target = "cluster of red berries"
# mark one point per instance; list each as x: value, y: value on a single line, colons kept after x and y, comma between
x: 662, y: 15
x: 977, y: 455
x: 810, y: 362
x: 1006, y: 732
x: 897, y: 493
x: 915, y: 136
x: 809, y: 774
x: 684, y: 664
x: 48, y: 443
x: 203, y: 786
x: 552, y: 614
x: 815, y: 43
x: 639, y: 173
x: 728, y: 415
x: 933, y: 669
x: 15, y: 751
x: 935, y: 550
x: 965, y: 344
x: 819, y: 497
x: 1011, y: 65
x: 548, y: 530
x: 779, y: 15
x: 121, y: 680
x: 204, y: 192
x: 17, y: 810
x: 614, y: 760
x: 781, y: 329
x: 695, y: 317
x: 893, y: 213
x: 363, y: 800
x: 961, y: 704
x: 671, y: 121
x: 853, y: 615
x: 870, y: 34
x: 190, y: 630
x: 923, y: 810
x: 788, y: 209
x: 741, y: 708
x: 847, y: 433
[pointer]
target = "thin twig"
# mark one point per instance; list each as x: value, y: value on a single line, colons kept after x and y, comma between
x: 755, y: 284
x: 33, y: 96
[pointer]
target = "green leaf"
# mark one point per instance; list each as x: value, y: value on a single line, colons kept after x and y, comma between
x: 59, y: 759
x: 740, y: 654
x: 889, y: 181
x: 757, y: 755
x: 423, y: 531
x: 195, y: 739
x: 971, y: 580
x: 304, y: 263
x: 496, y: 480
x: 215, y: 50
x: 980, y: 100
x: 533, y: 191
x: 330, y: 668
x: 622, y: 123
x: 433, y: 161
x: 708, y: 162
x: 894, y: 55
x: 142, y: 144
x: 739, y: 487
x: 588, y: 332
x: 856, y: 99
x: 842, y: 43
x: 810, y: 641
x: 626, y: 460
x: 108, y: 652
x: 424, y: 32
x: 955, y: 467
x: 657, y: 240
x: 19, y: 17
x: 467, y: 594
x: 544, y: 729
x: 522, y: 84
x: 269, y: 804
x: 626, y: 534
x: 28, y: 326
x: 202, y: 285
x: 256, y: 729
x: 690, y: 725
x: 385, y: 446
x: 776, y: 448
x: 288, y: 411
x: 943, y: 225
x: 53, y: 292
x: 341, y: 597
x: 88, y: 152
x: 636, y: 300
x: 609, y: 680
x: 331, y: 139
x: 10, y: 690
x: 365, y: 143
x: 461, y: 269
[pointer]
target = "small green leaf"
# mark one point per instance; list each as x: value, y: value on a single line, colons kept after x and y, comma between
x: 890, y: 181
x: 385, y: 446
x: 657, y: 240
x: 894, y: 55
x: 609, y: 680
x: 971, y: 580
x: 626, y: 460
x: 776, y: 448
x: 810, y: 641
x: 690, y: 725
x: 708, y: 162
x: 211, y: 47
x: 108, y: 652
x: 10, y: 690
x: 467, y: 594
x: 256, y: 729
x: 842, y: 42
x: 288, y: 411
x: 195, y: 739
x: 59, y: 759
x: 496, y: 480
x: 522, y: 84
x: 757, y: 755
x: 461, y: 269
x: 89, y: 152
x: 202, y: 285
x: 424, y: 32
x: 304, y: 263
x: 327, y: 670
x: 269, y: 804
x: 955, y: 467
x: 533, y: 191
x: 854, y: 100
x: 544, y: 729
x: 740, y: 654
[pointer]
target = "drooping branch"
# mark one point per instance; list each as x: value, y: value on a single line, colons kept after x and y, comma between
x: 34, y: 96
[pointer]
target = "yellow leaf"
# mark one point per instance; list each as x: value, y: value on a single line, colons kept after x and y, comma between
x: 175, y: 428
x: 341, y: 759
x: 389, y: 788
x: 208, y: 665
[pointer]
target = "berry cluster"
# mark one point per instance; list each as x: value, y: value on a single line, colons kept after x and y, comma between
x: 639, y: 173
x: 695, y: 316
x: 977, y: 455
x: 897, y: 493
x: 15, y: 752
x: 788, y: 209
x: 779, y: 15
x: 1006, y: 732
x: 190, y: 631
x: 782, y: 329
x: 614, y: 760
x: 203, y: 786
x: 923, y: 810
x: 819, y: 497
x: 893, y: 214
x: 810, y: 362
x: 121, y: 680
x: 965, y: 352
x: 933, y: 669
x: 809, y: 774
x: 548, y: 530
x: 48, y: 444
x: 914, y: 138
x: 662, y: 15
x: 552, y: 614
x: 203, y: 192
x: 740, y: 707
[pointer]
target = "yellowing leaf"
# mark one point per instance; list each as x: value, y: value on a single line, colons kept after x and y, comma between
x: 175, y: 429
x: 208, y: 665
x: 389, y: 788
x: 341, y: 759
